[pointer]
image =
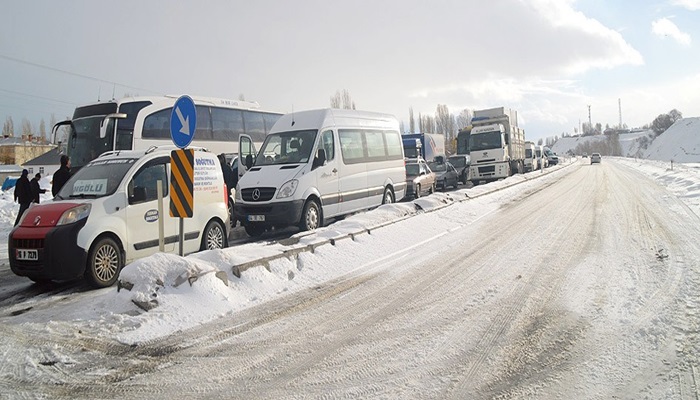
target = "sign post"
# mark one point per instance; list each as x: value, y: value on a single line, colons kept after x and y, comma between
x: 183, y: 122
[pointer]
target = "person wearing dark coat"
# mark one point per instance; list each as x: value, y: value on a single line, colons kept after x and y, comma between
x: 36, y: 188
x: 23, y: 194
x: 229, y: 178
x: 61, y: 176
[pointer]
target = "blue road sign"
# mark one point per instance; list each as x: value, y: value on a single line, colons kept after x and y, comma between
x: 183, y: 121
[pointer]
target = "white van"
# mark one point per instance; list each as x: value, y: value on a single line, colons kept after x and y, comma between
x: 319, y: 164
x: 106, y: 216
x: 531, y: 160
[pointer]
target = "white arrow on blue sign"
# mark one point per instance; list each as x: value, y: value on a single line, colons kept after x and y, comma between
x: 183, y: 121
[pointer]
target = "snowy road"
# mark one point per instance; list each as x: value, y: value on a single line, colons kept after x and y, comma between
x: 585, y: 286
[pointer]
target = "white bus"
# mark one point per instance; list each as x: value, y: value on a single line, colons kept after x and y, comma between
x: 137, y: 123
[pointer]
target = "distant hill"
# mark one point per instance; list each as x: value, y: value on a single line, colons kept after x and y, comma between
x: 680, y: 143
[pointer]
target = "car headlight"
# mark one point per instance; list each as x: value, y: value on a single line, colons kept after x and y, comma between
x: 238, y: 192
x: 75, y: 214
x: 288, y: 189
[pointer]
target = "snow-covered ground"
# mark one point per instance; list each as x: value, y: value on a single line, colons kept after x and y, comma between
x: 186, y: 291
x: 162, y: 278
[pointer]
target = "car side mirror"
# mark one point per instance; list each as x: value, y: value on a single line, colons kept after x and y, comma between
x: 320, y: 158
x: 248, y: 161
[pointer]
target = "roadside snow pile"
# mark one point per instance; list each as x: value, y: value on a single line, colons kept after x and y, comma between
x: 680, y: 143
x: 683, y: 180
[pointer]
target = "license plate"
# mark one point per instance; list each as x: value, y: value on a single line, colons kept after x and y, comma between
x: 27, y: 255
x: 256, y: 218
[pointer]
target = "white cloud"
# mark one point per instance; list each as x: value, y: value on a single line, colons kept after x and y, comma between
x: 664, y: 27
x: 689, y: 4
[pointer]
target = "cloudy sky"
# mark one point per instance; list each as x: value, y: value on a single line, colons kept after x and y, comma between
x: 548, y: 59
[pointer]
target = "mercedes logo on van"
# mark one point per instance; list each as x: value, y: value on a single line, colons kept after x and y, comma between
x: 37, y: 220
x: 256, y: 194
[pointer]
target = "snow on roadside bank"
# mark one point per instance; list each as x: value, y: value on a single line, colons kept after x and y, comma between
x: 683, y: 180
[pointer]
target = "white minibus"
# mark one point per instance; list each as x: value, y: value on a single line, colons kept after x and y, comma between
x: 319, y: 164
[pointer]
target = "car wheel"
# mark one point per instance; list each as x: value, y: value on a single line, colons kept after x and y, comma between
x: 432, y: 188
x: 40, y: 281
x: 388, y: 196
x: 416, y: 191
x: 214, y: 236
x: 311, y: 216
x: 104, y: 263
x: 254, y: 230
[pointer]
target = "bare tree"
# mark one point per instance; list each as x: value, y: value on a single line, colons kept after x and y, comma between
x: 427, y: 124
x: 26, y: 127
x: 464, y: 118
x: 42, y: 129
x: 335, y: 100
x: 411, y: 121
x: 8, y: 128
x: 342, y: 100
x: 446, y: 125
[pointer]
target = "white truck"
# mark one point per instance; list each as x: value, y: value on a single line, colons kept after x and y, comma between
x: 496, y: 145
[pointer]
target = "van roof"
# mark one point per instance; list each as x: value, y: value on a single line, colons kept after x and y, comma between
x: 140, y: 153
x: 315, y: 119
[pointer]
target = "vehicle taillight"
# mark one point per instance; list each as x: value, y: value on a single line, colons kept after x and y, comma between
x: 226, y: 195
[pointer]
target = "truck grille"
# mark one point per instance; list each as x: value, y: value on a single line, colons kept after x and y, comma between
x: 487, y: 169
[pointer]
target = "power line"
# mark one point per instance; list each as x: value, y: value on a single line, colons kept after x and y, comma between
x: 17, y: 60
x: 37, y: 97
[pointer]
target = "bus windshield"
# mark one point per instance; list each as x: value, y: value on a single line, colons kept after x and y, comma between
x: 84, y: 142
x: 485, y: 141
x: 287, y: 148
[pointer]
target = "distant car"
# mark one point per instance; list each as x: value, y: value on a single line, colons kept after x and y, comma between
x: 445, y: 175
x: 595, y: 158
x: 461, y: 163
x: 552, y: 157
x: 585, y: 155
x: 419, y: 178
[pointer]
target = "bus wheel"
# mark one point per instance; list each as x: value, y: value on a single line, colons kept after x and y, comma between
x: 104, y: 263
x: 254, y: 230
x: 388, y: 196
x: 311, y: 217
x: 214, y: 236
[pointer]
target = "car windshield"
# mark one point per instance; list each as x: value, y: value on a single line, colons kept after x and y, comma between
x: 458, y: 162
x: 287, y: 148
x: 412, y: 169
x: 97, y: 179
x: 438, y: 167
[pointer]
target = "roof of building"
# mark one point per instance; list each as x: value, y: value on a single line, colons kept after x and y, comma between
x: 5, y: 169
x: 51, y: 157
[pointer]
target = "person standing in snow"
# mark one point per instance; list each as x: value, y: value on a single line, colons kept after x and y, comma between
x: 23, y: 194
x: 36, y: 188
x: 61, y: 176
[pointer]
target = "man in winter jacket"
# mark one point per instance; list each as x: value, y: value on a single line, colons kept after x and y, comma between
x: 61, y: 176
x: 36, y: 188
x: 23, y: 194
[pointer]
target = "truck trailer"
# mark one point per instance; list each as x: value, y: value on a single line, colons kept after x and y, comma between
x: 423, y: 145
x: 496, y: 145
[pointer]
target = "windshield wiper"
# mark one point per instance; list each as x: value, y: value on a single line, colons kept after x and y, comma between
x: 83, y: 196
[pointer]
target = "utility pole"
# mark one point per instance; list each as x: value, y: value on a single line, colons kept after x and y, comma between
x: 619, y: 108
x: 590, y: 124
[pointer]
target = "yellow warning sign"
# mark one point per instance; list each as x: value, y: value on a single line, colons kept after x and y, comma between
x: 181, y: 183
